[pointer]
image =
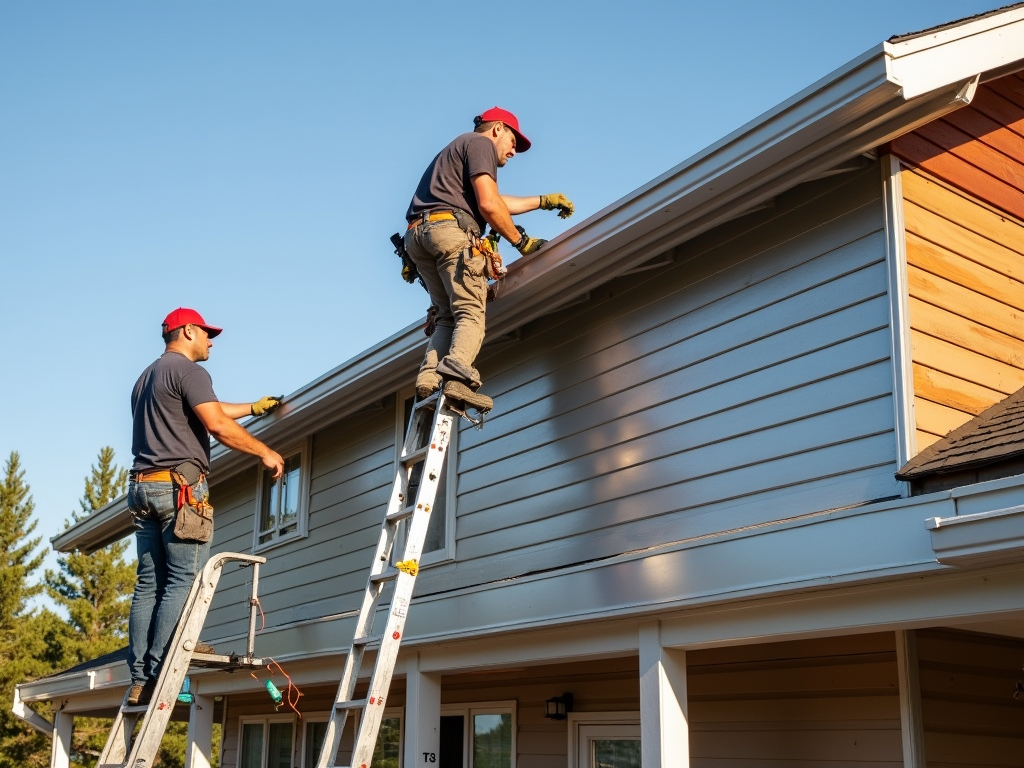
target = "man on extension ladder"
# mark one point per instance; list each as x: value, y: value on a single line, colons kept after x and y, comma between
x: 174, y: 412
x: 456, y: 197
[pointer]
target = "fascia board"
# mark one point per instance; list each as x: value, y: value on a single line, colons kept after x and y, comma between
x: 102, y: 527
x: 926, y: 62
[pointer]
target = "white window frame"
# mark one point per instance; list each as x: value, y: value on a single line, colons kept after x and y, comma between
x: 606, y: 720
x: 482, y: 708
x: 447, y: 552
x: 304, y: 451
x: 353, y: 717
x: 266, y: 721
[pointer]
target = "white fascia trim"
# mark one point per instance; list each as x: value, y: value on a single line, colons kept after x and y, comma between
x: 931, y: 61
x: 28, y: 716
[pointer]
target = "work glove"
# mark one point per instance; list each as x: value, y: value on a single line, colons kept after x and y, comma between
x: 266, y: 405
x: 557, y: 201
x: 527, y: 244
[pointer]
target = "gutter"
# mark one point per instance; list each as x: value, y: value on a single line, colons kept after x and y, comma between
x: 884, y: 93
x: 29, y: 716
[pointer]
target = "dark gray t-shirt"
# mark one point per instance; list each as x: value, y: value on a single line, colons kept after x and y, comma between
x: 446, y: 182
x: 166, y: 430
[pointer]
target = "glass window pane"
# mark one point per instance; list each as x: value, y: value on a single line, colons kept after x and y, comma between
x: 290, y: 481
x: 279, y: 748
x: 492, y: 741
x: 252, y: 746
x: 617, y: 753
x: 389, y: 743
x: 315, y: 733
x: 268, y: 512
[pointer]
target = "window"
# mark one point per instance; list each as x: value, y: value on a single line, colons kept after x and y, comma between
x: 478, y: 736
x: 604, y: 740
x: 266, y: 743
x: 387, y: 752
x: 282, y: 505
x: 440, y: 541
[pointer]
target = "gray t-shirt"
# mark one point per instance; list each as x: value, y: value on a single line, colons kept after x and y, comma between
x: 166, y: 430
x: 446, y: 182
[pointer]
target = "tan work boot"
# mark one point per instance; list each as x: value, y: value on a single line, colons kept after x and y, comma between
x: 456, y: 390
x: 426, y: 385
x: 139, y: 694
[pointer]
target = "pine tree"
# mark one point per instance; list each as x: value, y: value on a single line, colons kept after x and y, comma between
x: 24, y: 649
x: 95, y: 589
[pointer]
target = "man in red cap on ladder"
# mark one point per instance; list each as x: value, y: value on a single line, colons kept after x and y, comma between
x: 174, y: 413
x: 456, y: 198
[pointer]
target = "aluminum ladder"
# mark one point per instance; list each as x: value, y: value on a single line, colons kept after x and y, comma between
x: 426, y: 443
x: 126, y: 748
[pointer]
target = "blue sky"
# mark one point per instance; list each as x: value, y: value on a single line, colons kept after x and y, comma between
x: 251, y: 159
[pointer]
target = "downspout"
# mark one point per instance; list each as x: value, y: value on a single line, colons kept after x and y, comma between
x: 27, y: 715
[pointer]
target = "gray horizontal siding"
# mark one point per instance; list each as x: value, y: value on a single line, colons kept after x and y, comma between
x: 709, y: 396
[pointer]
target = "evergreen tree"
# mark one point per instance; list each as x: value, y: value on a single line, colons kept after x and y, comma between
x: 95, y: 589
x: 24, y: 649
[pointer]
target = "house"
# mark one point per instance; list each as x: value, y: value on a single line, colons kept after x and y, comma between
x: 684, y: 511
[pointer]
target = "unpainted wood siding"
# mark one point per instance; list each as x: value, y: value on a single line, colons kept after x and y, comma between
x: 963, y: 203
x: 965, y: 275
x: 748, y: 381
x: 827, y: 702
x: 967, y: 685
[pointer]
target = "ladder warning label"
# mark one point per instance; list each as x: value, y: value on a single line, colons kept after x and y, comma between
x: 400, y: 608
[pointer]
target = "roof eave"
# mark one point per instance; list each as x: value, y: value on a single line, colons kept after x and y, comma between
x: 886, y: 92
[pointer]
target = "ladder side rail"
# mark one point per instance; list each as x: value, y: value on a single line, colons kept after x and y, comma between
x: 250, y: 643
x: 172, y: 674
x: 387, y: 655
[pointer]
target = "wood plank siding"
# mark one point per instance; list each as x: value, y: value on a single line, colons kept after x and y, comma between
x: 747, y: 381
x: 967, y: 685
x: 963, y: 206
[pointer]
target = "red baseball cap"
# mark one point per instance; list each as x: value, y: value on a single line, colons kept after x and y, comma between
x: 506, y: 117
x: 181, y: 317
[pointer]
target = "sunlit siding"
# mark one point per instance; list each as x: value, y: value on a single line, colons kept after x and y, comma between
x: 963, y: 190
x: 750, y: 381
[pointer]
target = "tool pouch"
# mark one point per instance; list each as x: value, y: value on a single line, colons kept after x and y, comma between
x: 194, y: 519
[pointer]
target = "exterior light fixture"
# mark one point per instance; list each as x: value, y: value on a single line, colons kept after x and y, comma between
x: 556, y: 708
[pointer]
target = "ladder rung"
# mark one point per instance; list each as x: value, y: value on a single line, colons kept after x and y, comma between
x: 219, y: 660
x: 401, y: 514
x: 354, y: 704
x: 367, y: 639
x: 133, y: 709
x: 380, y: 578
x: 415, y: 457
x: 112, y: 765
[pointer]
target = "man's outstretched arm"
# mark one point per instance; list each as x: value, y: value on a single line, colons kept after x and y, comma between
x: 226, y: 431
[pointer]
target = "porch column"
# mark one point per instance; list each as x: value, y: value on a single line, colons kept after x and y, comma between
x: 60, y: 750
x: 422, y: 716
x: 664, y: 730
x: 199, y: 740
x: 911, y: 725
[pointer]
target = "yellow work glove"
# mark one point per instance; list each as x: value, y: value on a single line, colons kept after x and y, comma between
x: 528, y: 245
x: 266, y: 405
x: 557, y: 201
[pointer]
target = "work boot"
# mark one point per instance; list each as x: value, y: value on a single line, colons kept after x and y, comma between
x: 139, y: 694
x: 426, y: 385
x: 456, y: 390
x: 206, y: 648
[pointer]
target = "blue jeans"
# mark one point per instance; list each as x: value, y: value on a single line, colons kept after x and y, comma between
x: 167, y: 567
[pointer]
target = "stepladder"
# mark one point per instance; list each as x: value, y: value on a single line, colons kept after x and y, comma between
x: 396, y: 563
x: 134, y: 744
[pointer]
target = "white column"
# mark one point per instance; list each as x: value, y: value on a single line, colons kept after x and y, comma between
x: 60, y: 751
x: 199, y: 741
x: 422, y: 716
x: 664, y: 730
x: 911, y: 724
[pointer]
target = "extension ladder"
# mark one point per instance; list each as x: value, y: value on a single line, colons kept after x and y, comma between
x: 426, y: 444
x: 126, y: 748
